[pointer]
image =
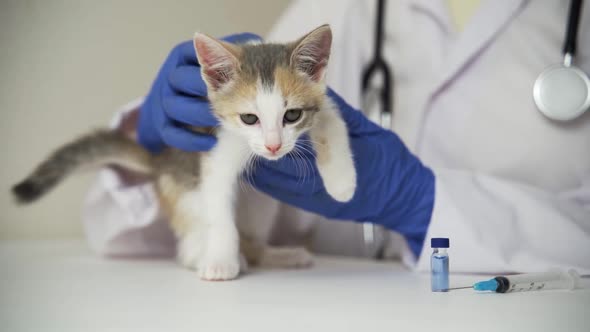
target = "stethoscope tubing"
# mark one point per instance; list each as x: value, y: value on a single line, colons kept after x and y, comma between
x: 571, y: 33
x: 379, y: 65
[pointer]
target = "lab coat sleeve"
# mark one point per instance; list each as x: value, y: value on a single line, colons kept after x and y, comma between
x: 121, y: 217
x: 496, y: 225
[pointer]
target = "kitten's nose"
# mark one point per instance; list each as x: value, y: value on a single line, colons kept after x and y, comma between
x: 273, y: 148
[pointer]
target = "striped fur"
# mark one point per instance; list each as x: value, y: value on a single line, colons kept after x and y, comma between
x: 90, y: 151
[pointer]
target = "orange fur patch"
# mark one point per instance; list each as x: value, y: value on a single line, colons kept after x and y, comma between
x: 298, y: 89
x: 227, y: 105
x: 322, y: 149
x: 169, y: 192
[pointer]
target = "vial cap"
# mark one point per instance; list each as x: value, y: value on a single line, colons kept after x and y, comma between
x: 439, y: 242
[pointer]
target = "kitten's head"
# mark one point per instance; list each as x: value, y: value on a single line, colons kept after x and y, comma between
x: 267, y: 93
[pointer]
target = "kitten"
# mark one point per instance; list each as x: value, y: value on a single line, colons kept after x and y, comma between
x: 266, y: 96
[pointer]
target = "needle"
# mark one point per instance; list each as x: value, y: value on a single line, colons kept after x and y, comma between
x: 455, y: 288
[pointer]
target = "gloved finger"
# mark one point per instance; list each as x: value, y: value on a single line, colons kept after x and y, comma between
x: 147, y: 134
x: 243, y: 37
x: 174, y: 135
x: 189, y: 56
x: 187, y: 53
x: 187, y: 140
x: 190, y: 110
x: 187, y: 77
x: 188, y: 80
x: 151, y: 117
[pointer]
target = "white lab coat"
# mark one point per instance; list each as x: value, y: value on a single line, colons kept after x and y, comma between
x: 512, y: 187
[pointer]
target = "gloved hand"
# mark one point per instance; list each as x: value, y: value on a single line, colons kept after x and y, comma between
x: 178, y: 97
x: 394, y: 189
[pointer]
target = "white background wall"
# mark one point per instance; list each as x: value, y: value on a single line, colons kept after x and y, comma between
x: 66, y: 65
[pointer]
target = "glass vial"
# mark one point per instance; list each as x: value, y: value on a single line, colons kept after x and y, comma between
x: 439, y: 264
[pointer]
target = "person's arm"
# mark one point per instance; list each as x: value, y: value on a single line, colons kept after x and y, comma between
x: 495, y: 224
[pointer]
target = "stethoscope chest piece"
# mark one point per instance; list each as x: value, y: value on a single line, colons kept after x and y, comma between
x: 562, y: 92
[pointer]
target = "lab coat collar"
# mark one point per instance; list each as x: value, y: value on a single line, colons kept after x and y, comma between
x: 486, y: 24
x: 437, y: 10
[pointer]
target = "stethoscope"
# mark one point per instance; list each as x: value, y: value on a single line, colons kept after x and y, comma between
x: 561, y: 92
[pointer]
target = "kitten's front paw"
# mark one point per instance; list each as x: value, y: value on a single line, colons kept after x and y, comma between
x: 340, y: 183
x: 219, y: 269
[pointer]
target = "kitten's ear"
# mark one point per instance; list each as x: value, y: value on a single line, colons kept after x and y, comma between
x: 312, y: 52
x: 218, y: 60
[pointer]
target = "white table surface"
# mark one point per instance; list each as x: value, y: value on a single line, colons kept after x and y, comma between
x: 62, y: 286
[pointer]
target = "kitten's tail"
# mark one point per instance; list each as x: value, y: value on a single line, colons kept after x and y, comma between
x: 93, y: 150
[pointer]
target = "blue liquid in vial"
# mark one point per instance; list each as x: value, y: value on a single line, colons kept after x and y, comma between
x: 440, y: 272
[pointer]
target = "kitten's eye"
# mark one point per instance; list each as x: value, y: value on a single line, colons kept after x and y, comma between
x: 249, y: 119
x: 292, y: 115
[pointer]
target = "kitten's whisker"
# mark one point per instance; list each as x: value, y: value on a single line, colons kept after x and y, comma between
x: 307, y: 149
x: 306, y: 157
x: 298, y: 160
x: 308, y: 162
x: 300, y: 156
x: 245, y: 172
x: 255, y: 163
x: 311, y: 142
x: 301, y: 160
x: 250, y: 177
x: 245, y: 179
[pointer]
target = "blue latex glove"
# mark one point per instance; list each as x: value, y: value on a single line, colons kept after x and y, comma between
x: 178, y: 97
x: 394, y: 189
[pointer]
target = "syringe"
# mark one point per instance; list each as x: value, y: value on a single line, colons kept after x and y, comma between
x: 553, y: 279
